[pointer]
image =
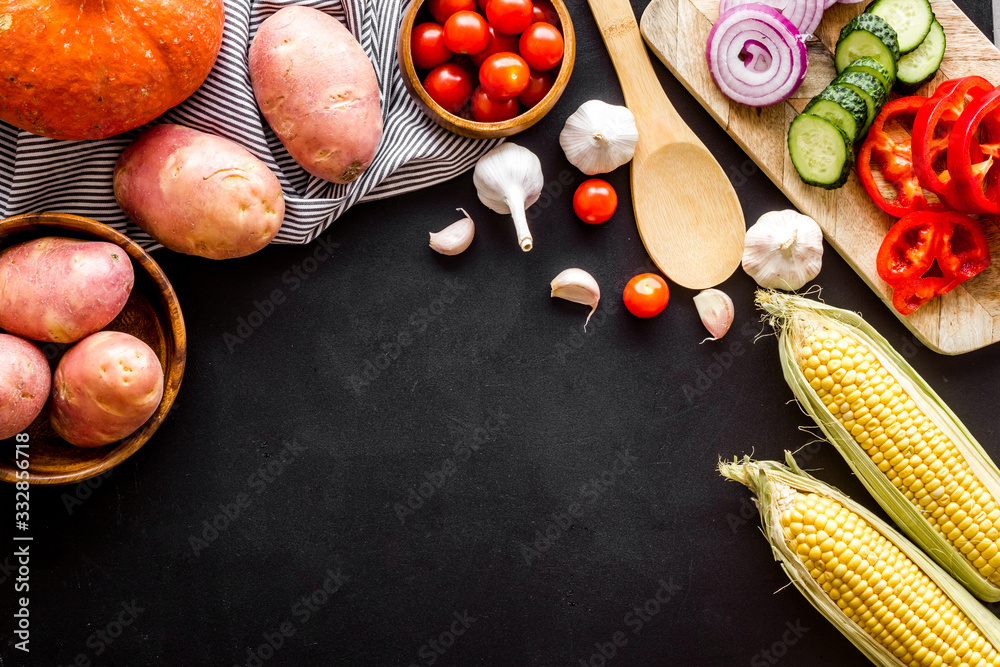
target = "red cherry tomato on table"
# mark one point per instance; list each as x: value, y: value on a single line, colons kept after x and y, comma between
x: 466, y: 32
x: 428, y: 46
x: 450, y: 86
x: 504, y: 75
x: 499, y: 43
x: 595, y: 201
x: 485, y: 109
x: 539, y: 85
x: 544, y: 12
x: 646, y: 295
x: 509, y: 16
x: 541, y: 46
x: 442, y: 9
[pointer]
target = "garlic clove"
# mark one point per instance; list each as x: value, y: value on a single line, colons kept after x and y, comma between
x: 599, y: 137
x: 508, y: 180
x: 716, y: 311
x: 456, y: 237
x: 578, y: 286
x: 783, y: 250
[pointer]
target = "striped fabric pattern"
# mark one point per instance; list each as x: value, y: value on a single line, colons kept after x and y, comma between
x: 40, y: 174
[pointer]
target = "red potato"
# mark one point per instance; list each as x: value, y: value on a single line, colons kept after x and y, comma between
x: 59, y: 290
x: 318, y: 91
x: 199, y: 194
x: 25, y: 380
x: 105, y: 388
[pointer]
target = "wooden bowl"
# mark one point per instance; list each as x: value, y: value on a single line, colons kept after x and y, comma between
x: 470, y: 128
x: 152, y: 314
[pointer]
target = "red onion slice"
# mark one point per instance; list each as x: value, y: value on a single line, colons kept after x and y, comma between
x: 726, y: 5
x: 849, y: 2
x: 755, y: 55
x: 805, y: 15
x: 758, y: 57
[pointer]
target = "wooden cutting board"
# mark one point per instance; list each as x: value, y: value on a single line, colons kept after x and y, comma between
x: 966, y: 319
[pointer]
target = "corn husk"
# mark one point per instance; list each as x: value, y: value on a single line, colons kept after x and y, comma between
x: 767, y: 479
x: 793, y: 317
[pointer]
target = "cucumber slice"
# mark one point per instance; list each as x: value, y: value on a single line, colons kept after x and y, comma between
x: 911, y: 19
x: 921, y: 64
x: 870, y: 90
x: 820, y: 151
x: 842, y: 106
x: 867, y: 36
x: 866, y: 82
x: 871, y: 66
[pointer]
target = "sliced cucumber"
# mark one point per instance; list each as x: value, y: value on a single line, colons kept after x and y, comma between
x: 866, y: 82
x: 820, y: 151
x: 867, y: 36
x: 842, y: 106
x: 871, y: 66
x: 922, y: 64
x: 870, y: 90
x: 911, y: 19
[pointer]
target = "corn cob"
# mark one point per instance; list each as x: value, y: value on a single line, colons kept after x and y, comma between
x: 907, y: 447
x: 878, y: 589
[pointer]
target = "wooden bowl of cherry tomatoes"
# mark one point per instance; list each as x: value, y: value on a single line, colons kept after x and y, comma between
x: 487, y: 68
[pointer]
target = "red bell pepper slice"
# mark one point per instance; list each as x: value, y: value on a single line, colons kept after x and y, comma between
x: 932, y: 128
x: 893, y: 158
x: 946, y: 87
x: 929, y: 253
x: 907, y: 297
x: 974, y: 143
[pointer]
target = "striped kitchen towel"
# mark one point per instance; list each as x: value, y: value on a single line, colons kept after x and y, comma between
x: 40, y: 174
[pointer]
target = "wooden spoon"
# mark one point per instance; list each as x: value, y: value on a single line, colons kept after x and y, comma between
x: 688, y: 214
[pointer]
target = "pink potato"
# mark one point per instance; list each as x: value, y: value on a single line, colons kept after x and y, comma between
x: 317, y: 89
x: 25, y: 379
x: 198, y: 193
x: 59, y: 290
x: 105, y: 388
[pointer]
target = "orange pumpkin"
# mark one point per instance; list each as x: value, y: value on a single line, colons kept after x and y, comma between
x: 89, y: 69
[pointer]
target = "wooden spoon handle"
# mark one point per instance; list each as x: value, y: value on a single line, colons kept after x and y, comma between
x: 643, y: 93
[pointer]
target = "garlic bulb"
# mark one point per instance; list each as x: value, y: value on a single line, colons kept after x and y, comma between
x: 578, y: 286
x: 456, y: 237
x: 716, y: 311
x: 784, y: 250
x: 599, y: 137
x: 509, y: 180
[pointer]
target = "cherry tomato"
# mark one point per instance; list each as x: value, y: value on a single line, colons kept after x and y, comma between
x: 485, y: 109
x: 466, y: 32
x: 544, y: 12
x: 541, y: 46
x: 539, y: 85
x: 595, y: 201
x: 442, y: 9
x: 509, y: 16
x: 646, y: 295
x: 482, y: 5
x: 499, y: 43
x: 450, y: 86
x: 428, y: 46
x: 504, y: 75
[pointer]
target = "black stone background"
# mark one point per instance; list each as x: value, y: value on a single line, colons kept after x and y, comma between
x: 502, y: 350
